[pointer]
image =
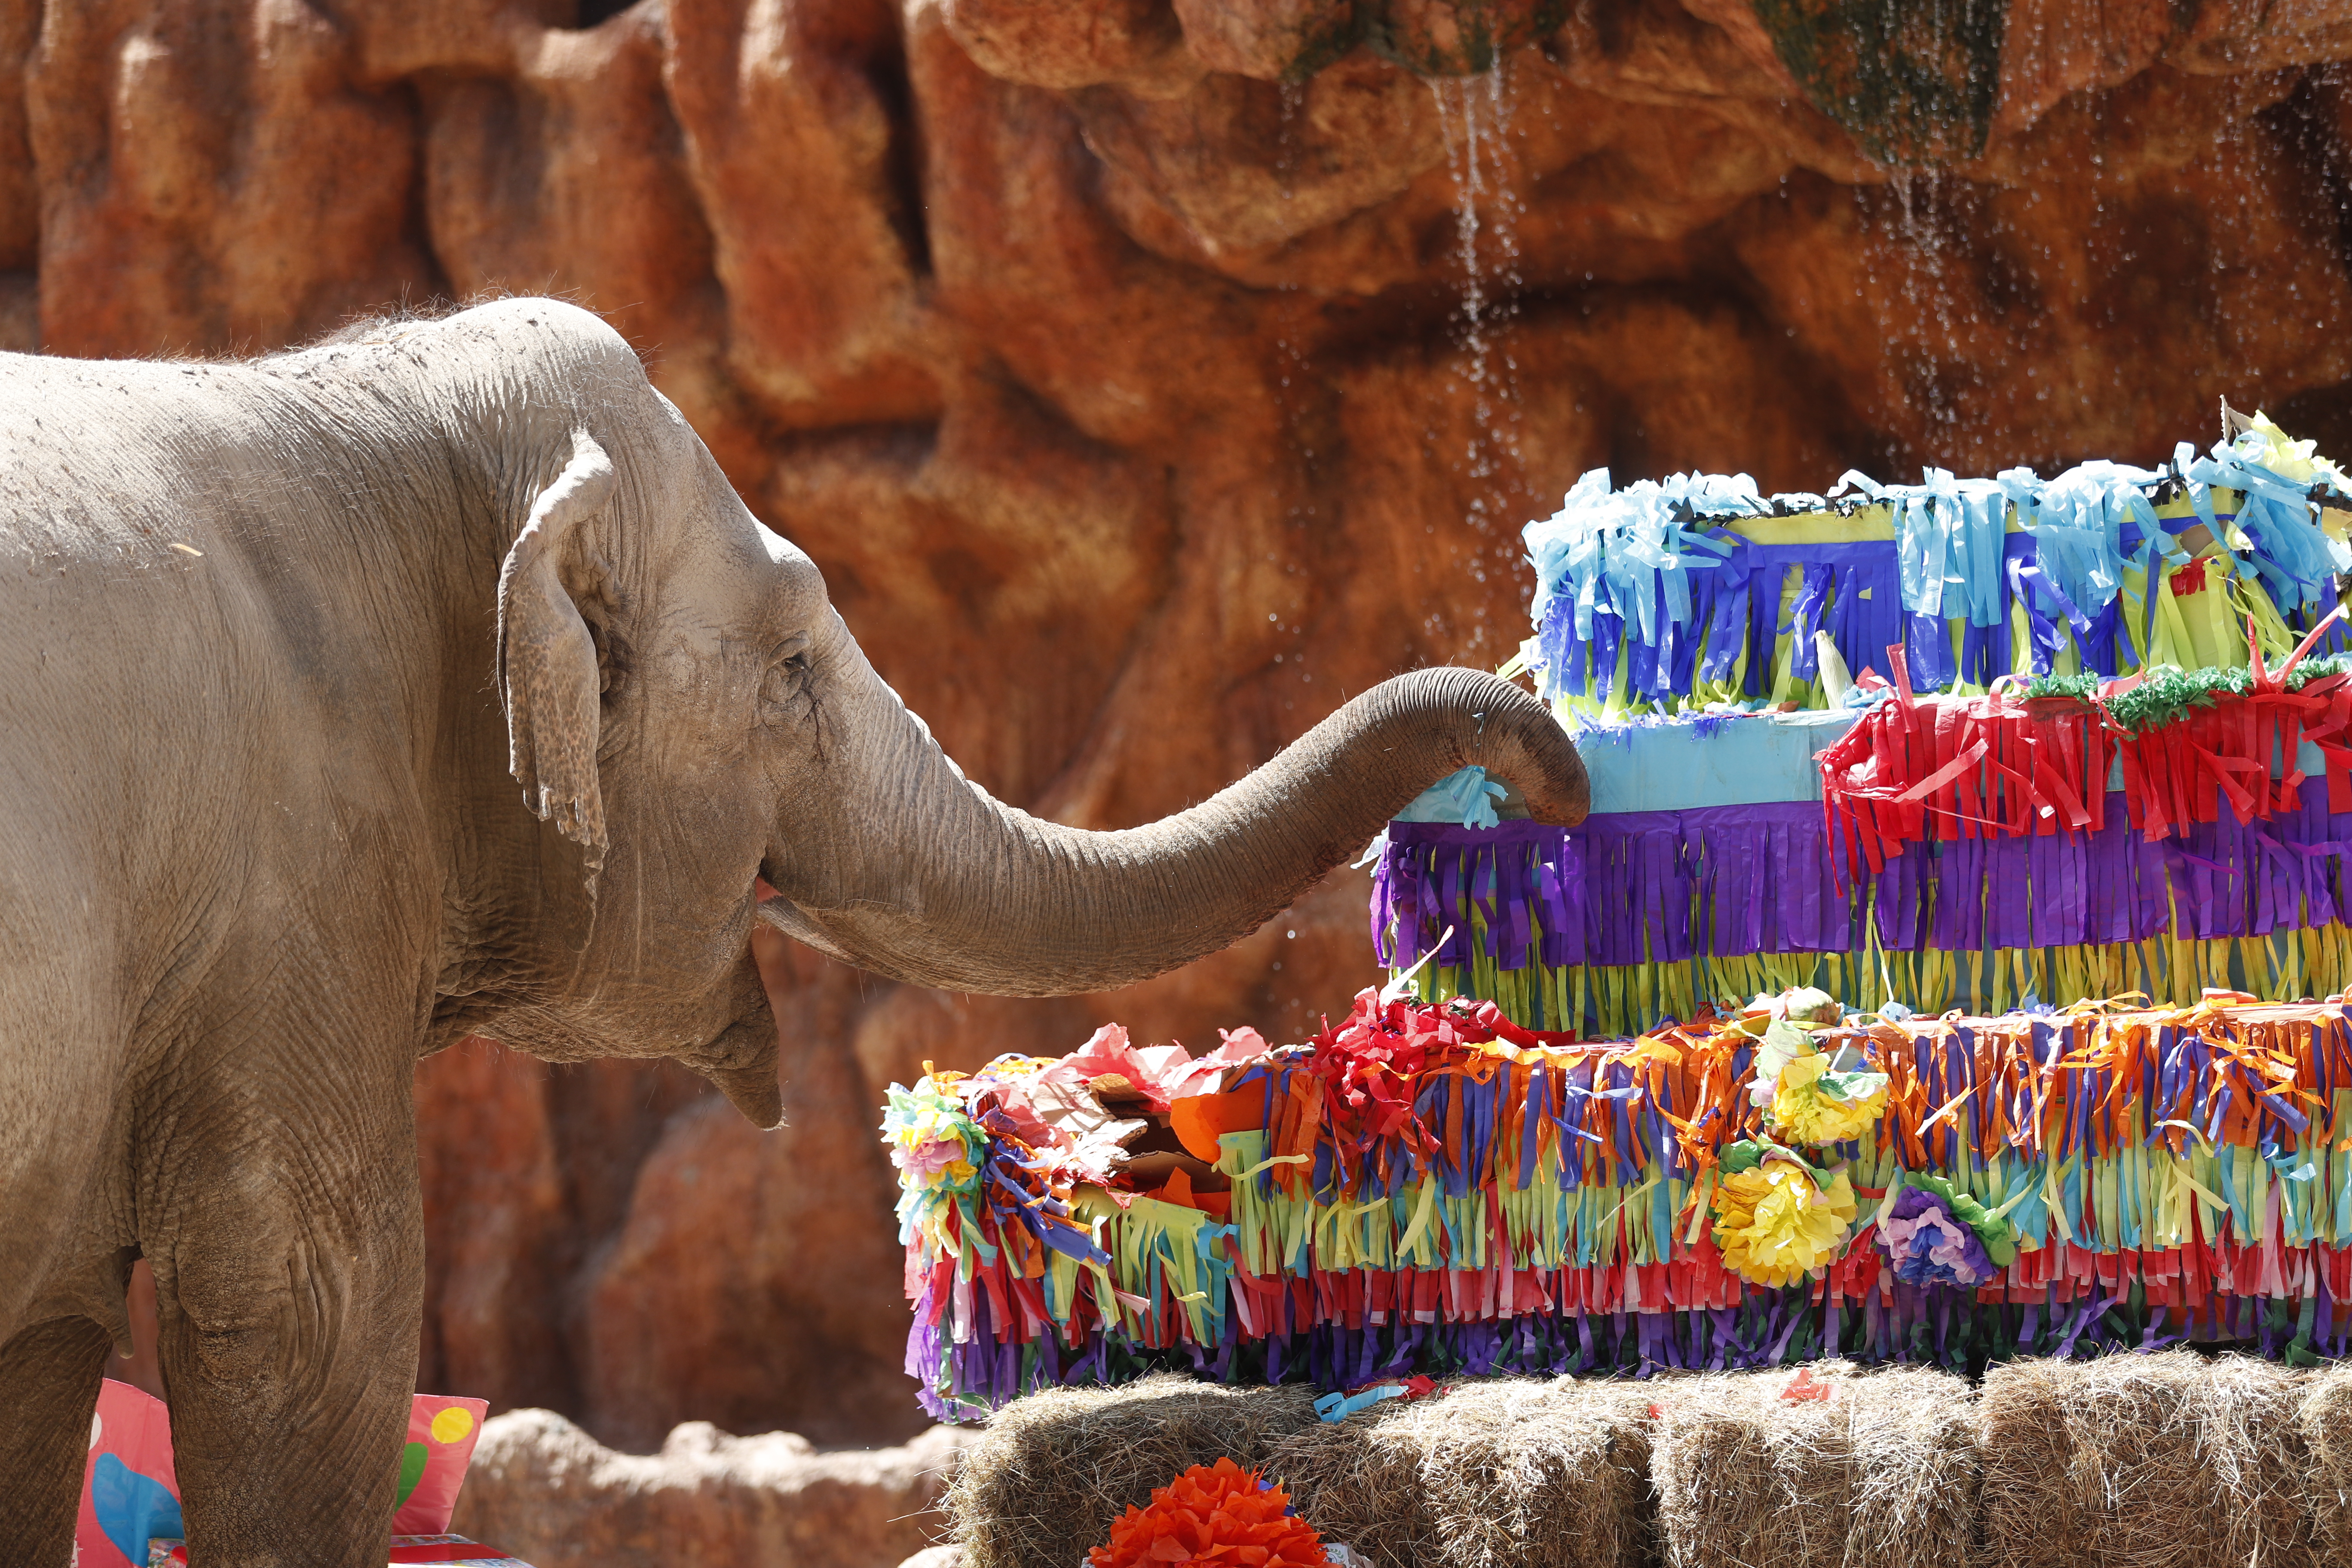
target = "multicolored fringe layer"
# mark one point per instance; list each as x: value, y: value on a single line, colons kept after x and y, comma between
x: 1931, y: 1325
x: 1636, y: 916
x: 1430, y: 1189
x: 1698, y: 590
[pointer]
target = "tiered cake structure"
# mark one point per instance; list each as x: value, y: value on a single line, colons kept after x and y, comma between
x: 2019, y: 809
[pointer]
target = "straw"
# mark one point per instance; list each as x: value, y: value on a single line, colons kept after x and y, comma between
x: 2147, y: 1461
x: 1545, y: 1473
x: 1833, y: 1468
x: 1050, y: 1472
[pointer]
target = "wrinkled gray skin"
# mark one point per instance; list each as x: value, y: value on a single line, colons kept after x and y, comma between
x: 261, y: 848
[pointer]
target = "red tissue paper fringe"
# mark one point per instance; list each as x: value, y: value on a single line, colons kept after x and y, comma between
x: 1913, y: 769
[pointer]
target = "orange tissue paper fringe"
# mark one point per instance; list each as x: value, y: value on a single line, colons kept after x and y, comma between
x: 1213, y: 1513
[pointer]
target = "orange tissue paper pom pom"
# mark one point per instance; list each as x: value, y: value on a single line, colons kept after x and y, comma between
x: 1213, y: 1513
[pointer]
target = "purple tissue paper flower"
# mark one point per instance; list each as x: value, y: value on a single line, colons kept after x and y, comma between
x: 1930, y: 1244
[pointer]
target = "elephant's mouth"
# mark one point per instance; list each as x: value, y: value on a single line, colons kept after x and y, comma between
x: 772, y: 909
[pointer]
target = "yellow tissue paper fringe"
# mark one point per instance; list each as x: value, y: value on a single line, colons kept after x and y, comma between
x: 1625, y: 999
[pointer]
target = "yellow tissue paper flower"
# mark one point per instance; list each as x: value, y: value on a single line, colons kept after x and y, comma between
x: 1782, y: 1043
x: 1811, y: 1107
x: 1773, y: 1226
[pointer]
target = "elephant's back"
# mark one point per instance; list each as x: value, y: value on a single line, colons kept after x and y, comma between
x: 119, y: 565
x: 99, y: 458
x: 191, y: 581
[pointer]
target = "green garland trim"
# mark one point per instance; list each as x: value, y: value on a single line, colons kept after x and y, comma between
x: 2080, y: 687
x: 2166, y: 694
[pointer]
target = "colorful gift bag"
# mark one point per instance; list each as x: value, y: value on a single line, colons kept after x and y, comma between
x: 441, y: 1436
x: 407, y: 1552
x: 130, y: 1493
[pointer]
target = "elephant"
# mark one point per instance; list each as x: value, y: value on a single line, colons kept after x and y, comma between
x: 280, y: 638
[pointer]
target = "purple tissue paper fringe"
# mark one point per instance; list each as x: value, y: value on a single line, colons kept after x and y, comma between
x: 1633, y: 888
x: 1920, y: 1324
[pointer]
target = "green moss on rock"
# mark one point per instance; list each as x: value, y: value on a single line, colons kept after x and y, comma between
x: 1914, y: 81
x: 1455, y: 38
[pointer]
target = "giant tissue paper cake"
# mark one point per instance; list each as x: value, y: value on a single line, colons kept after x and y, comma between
x: 1898, y: 1150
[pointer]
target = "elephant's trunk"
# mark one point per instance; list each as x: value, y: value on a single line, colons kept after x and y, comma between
x: 948, y: 887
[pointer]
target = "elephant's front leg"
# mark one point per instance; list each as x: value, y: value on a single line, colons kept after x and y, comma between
x: 290, y: 1281
x: 48, y: 1387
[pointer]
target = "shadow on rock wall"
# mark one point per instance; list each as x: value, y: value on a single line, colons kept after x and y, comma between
x: 1148, y: 375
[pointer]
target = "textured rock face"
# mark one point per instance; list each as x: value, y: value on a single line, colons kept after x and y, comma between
x: 1146, y: 377
x: 553, y: 1494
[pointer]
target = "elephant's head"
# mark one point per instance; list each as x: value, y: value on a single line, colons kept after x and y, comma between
x: 684, y: 707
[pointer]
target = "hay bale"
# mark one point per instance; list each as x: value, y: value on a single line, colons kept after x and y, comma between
x: 1495, y: 1473
x: 2029, y: 1517
x: 2148, y: 1461
x: 2129, y: 1462
x: 1050, y: 1473
x: 1883, y: 1471
x: 2325, y: 1419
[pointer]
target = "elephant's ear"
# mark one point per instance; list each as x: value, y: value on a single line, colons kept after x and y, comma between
x: 548, y: 674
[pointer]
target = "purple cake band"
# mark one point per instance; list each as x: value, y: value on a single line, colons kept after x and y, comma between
x: 1661, y: 886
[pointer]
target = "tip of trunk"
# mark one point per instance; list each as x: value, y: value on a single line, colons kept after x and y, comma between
x: 1514, y: 737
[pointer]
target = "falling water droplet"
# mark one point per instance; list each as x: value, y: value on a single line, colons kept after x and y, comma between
x: 1292, y: 95
x: 1474, y: 118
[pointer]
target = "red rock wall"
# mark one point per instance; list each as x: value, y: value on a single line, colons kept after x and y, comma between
x: 1112, y: 358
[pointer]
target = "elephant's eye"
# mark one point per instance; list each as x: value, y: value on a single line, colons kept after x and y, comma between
x: 784, y: 692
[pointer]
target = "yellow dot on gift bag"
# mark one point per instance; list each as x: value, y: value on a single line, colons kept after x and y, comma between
x: 453, y: 1423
